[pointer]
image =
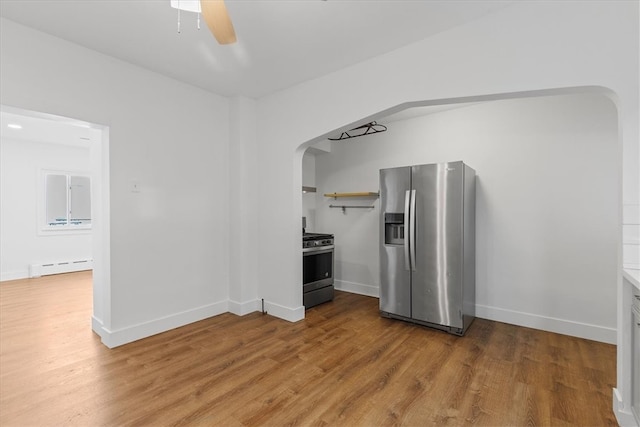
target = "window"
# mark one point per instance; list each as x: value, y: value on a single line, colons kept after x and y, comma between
x: 67, y: 201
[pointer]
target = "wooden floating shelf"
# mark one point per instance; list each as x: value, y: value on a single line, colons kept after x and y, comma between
x: 361, y: 194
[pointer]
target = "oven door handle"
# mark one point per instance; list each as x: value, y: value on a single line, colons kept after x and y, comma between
x: 319, y: 249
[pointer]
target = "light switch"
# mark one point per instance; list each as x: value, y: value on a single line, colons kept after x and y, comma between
x: 135, y: 187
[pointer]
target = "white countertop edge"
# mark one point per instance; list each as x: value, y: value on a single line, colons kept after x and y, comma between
x: 632, y: 275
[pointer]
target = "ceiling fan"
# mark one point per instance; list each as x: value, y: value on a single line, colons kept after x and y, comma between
x: 215, y: 15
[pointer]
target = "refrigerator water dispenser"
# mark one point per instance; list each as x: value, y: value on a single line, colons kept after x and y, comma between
x: 394, y: 229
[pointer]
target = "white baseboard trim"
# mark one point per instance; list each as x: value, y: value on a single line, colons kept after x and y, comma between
x: 118, y: 337
x: 14, y: 275
x: 357, y: 288
x: 242, y: 308
x: 624, y: 418
x: 551, y: 324
x: 285, y: 313
x: 529, y: 320
x: 97, y: 326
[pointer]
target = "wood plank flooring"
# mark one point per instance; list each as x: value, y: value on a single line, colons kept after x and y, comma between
x: 343, y: 365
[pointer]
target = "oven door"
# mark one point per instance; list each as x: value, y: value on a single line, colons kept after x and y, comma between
x: 317, y: 268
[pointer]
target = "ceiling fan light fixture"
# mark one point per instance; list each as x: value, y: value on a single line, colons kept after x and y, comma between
x: 215, y: 15
x: 187, y: 5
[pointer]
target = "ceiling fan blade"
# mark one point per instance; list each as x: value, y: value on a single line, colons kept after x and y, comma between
x: 215, y: 15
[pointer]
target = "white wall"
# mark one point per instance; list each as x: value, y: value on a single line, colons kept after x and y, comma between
x: 169, y: 242
x: 547, y: 174
x: 21, y: 163
x: 631, y: 235
x: 243, y: 274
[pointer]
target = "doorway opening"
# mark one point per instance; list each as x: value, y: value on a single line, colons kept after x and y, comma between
x: 548, y: 200
x: 38, y: 147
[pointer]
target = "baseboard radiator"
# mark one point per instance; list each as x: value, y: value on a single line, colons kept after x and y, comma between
x: 37, y: 270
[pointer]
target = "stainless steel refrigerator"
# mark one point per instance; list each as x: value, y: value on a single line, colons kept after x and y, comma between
x: 427, y: 245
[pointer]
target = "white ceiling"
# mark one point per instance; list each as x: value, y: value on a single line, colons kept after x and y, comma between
x: 46, y: 129
x: 280, y: 43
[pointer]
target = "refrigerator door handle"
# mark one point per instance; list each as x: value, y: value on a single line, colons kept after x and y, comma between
x: 407, y: 199
x: 412, y: 230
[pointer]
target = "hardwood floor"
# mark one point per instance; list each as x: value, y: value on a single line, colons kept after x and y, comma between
x: 342, y: 365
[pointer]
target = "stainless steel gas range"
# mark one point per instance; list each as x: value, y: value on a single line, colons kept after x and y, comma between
x: 317, y: 268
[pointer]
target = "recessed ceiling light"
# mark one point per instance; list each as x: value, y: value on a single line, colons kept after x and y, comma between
x: 14, y: 126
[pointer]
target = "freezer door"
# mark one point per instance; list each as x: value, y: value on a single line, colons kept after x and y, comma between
x: 395, y: 275
x: 437, y: 279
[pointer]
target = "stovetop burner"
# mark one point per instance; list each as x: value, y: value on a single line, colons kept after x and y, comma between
x: 316, y: 240
x: 315, y: 236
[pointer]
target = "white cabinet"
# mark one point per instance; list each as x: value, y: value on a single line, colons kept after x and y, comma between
x: 635, y: 356
x: 626, y: 395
